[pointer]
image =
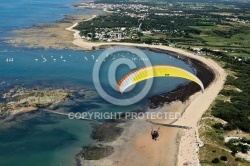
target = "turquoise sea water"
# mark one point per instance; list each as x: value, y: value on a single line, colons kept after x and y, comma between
x: 44, y: 139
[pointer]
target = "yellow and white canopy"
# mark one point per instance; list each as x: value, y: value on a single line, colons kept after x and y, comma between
x: 156, y: 71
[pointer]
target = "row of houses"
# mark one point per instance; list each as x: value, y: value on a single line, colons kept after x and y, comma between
x: 105, y: 34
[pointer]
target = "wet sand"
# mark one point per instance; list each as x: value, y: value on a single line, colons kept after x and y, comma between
x: 135, y: 147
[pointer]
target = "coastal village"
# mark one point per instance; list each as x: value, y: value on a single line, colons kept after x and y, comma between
x: 141, y: 30
x: 141, y: 13
x: 136, y: 11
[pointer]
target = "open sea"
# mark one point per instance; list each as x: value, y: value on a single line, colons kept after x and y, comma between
x: 43, y: 139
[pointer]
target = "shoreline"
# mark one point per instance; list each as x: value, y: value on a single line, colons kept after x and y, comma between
x: 189, y: 141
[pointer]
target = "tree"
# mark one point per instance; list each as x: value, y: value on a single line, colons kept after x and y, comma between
x: 218, y: 125
x: 139, y: 34
x: 223, y: 158
x: 215, y: 160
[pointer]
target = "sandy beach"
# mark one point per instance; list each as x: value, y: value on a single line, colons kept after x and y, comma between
x: 149, y: 152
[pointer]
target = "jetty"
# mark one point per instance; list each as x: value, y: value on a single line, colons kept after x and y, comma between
x: 66, y: 114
